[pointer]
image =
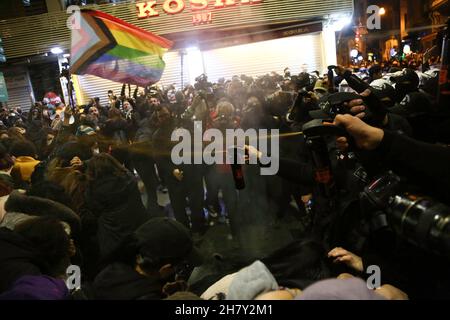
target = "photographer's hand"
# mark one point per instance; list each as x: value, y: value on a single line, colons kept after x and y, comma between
x: 366, y: 137
x: 350, y: 259
x: 357, y: 107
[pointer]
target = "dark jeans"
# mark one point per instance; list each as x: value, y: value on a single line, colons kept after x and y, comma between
x: 187, y: 193
x: 145, y: 167
x: 223, y: 180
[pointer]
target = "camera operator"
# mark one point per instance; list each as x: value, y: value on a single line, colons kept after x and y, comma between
x: 421, y: 273
x: 301, y: 172
x: 416, y: 106
x: 425, y: 164
x: 386, y: 96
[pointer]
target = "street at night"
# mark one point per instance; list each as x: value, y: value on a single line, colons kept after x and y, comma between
x: 224, y: 150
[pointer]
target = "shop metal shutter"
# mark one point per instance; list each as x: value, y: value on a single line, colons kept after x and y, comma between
x: 256, y: 59
x: 20, y: 97
x: 91, y: 86
x: 27, y: 36
x: 19, y: 90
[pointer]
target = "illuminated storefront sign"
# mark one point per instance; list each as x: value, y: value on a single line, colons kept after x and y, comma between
x: 153, y: 8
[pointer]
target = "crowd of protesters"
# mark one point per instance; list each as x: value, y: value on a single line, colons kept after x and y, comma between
x: 71, y: 192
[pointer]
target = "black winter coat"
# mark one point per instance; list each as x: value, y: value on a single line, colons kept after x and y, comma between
x: 17, y: 258
x: 116, y: 201
x: 119, y: 281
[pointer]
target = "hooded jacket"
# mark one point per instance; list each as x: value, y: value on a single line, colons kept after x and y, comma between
x: 117, y: 203
x: 36, y: 133
x: 17, y: 258
x: 20, y: 207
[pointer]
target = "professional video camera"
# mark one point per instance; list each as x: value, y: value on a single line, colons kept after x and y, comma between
x: 422, y: 220
x: 202, y: 84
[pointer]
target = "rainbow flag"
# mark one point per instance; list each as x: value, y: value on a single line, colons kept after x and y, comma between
x: 110, y: 48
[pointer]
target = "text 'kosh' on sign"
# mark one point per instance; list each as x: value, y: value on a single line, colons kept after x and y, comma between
x: 152, y: 8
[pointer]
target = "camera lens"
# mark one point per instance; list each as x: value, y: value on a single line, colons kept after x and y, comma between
x: 423, y: 221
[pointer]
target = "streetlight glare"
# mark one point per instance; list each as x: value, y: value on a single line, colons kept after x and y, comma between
x: 382, y: 11
x: 56, y: 50
x: 340, y: 22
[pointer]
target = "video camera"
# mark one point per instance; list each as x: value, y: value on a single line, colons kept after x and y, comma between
x: 202, y: 84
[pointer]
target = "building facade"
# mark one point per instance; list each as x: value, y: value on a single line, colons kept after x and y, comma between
x: 220, y: 38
